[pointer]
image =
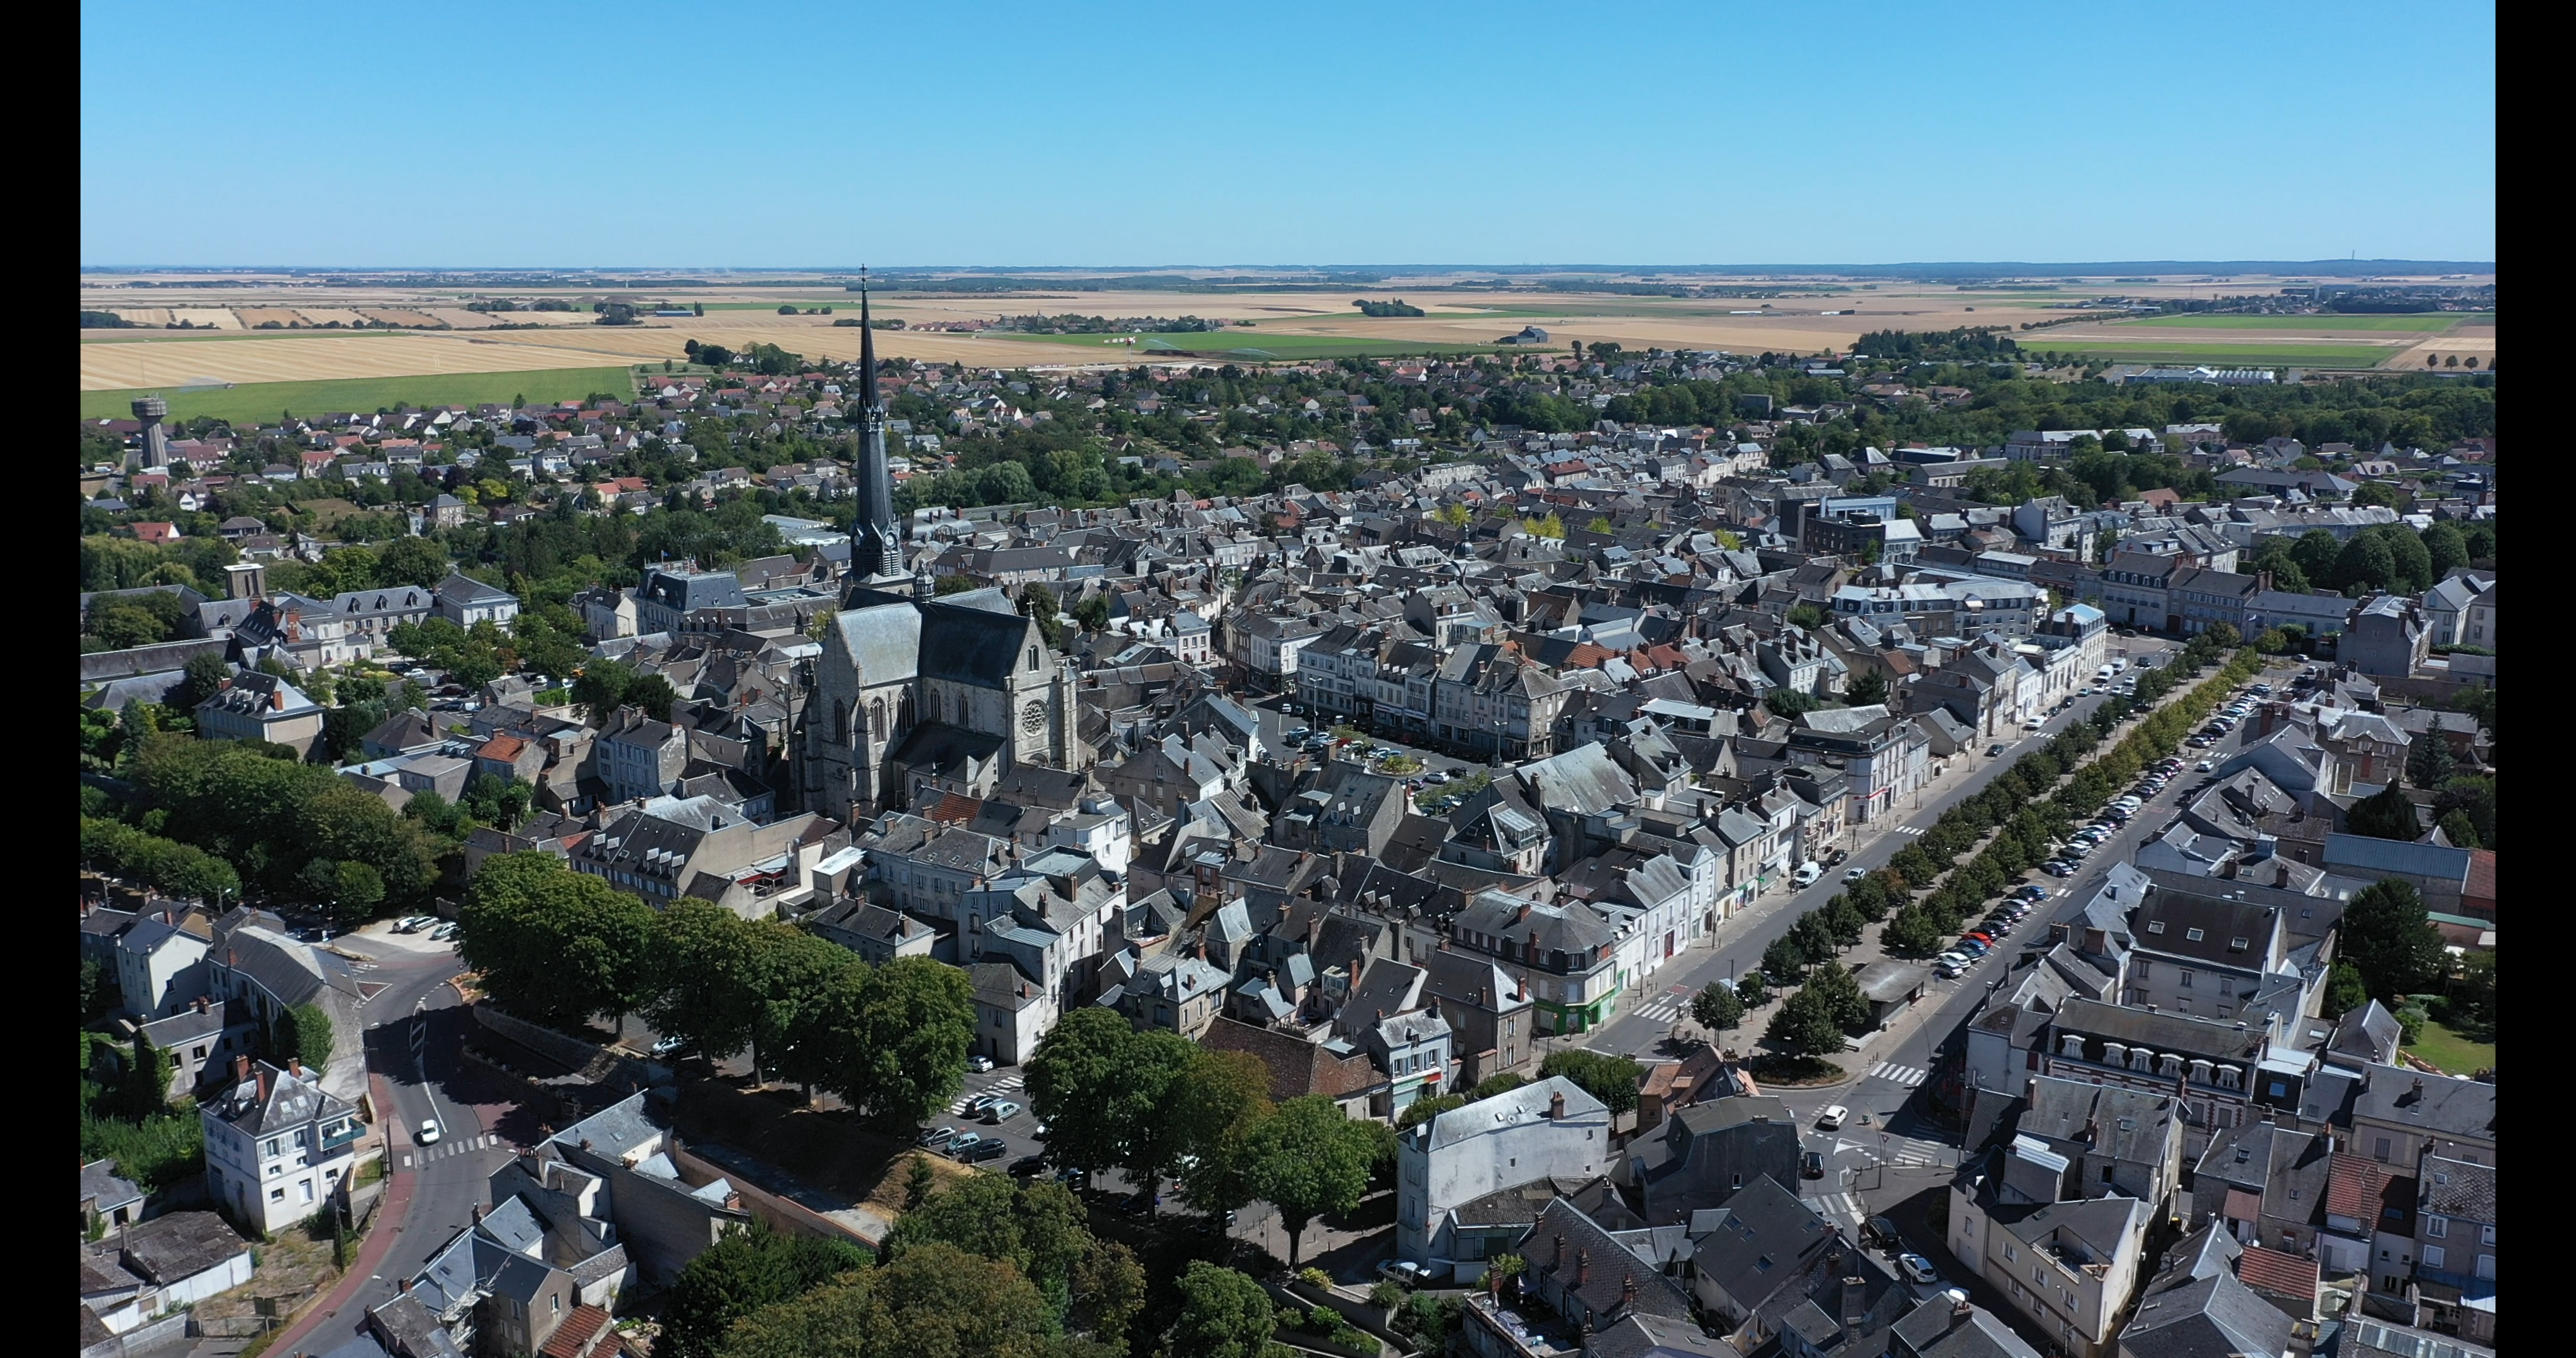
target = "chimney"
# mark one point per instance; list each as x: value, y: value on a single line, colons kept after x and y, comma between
x: 1962, y: 1311
x: 262, y: 1072
x: 241, y: 1069
x: 478, y: 1214
x: 201, y: 1004
x: 1628, y: 1290
x: 1582, y: 1267
x: 406, y: 1284
x: 2097, y: 941
x: 2418, y: 1091
x: 1556, y: 1106
x: 1524, y: 913
x: 1558, y: 1264
x: 295, y: 1066
x: 1855, y: 1304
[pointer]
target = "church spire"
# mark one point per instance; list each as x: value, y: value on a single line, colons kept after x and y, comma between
x: 879, y: 558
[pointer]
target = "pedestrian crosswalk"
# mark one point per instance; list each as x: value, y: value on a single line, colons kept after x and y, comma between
x: 445, y: 1149
x: 1004, y: 1085
x: 1839, y: 1206
x: 1906, y: 1076
x: 1906, y: 830
x: 1663, y: 1008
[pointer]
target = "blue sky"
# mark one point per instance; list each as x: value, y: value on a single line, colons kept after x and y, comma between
x: 791, y: 135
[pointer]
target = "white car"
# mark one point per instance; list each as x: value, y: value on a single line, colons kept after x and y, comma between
x: 1854, y: 875
x: 979, y: 1063
x: 1918, y: 1268
x: 2203, y: 766
x: 1831, y: 1119
x: 428, y: 1134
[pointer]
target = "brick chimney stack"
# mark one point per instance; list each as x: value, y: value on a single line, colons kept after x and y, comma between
x: 241, y: 1069
x: 1557, y: 1265
x: 1582, y: 1267
x: 1556, y: 1106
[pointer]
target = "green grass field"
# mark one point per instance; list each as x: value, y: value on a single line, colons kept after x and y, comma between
x: 1245, y: 344
x: 2456, y: 1055
x: 2419, y: 323
x: 263, y: 400
x: 2253, y: 355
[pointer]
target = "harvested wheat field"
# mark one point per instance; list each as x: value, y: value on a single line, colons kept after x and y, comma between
x: 423, y: 320
x: 253, y: 317
x: 108, y: 366
x: 206, y: 317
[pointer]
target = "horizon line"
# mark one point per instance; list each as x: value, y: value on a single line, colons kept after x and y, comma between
x: 2347, y: 265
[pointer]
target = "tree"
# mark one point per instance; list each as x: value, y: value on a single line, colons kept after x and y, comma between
x: 1224, y: 1314
x: 955, y: 584
x: 1218, y: 1099
x: 2429, y: 763
x: 2445, y: 550
x: 2364, y: 563
x: 2345, y: 990
x: 204, y: 677
x: 1716, y: 1007
x: 1912, y: 931
x: 654, y: 695
x: 905, y: 1052
x: 144, y: 1087
x: 1808, y: 616
x: 305, y: 1034
x: 1039, y: 602
x: 1814, y: 939
x: 2315, y: 554
x: 411, y: 561
x: 1867, y: 688
x: 1071, y: 1083
x: 1753, y: 990
x: 1423, y: 1110
x: 357, y: 891
x: 555, y: 945
x: 1805, y: 1025
x: 1783, y: 960
x: 799, y: 980
x: 1842, y: 997
x: 1308, y: 1159
x: 2385, y: 814
x: 706, y: 987
x: 601, y: 688
x: 2456, y: 828
x: 742, y: 1272
x: 1611, y: 1079
x: 1038, y: 1228
x: 1600, y: 524
x: 2385, y: 936
x: 1093, y: 613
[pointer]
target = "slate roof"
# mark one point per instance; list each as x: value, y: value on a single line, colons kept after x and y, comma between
x: 2456, y: 1188
x: 2443, y: 1104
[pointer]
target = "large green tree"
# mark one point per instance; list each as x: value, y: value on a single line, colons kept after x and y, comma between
x: 706, y: 983
x: 2385, y: 814
x: 742, y: 1272
x: 1224, y: 1314
x: 1308, y: 1159
x: 1072, y: 1080
x: 904, y: 1052
x: 552, y: 944
x: 1611, y: 1079
x: 2385, y: 936
x: 1717, y: 1007
x: 1805, y: 1025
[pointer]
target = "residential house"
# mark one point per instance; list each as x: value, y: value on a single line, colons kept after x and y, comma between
x: 258, y: 706
x: 277, y: 1146
x: 1547, y: 1129
x: 2069, y: 1263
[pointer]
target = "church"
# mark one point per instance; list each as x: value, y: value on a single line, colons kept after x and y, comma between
x: 914, y: 698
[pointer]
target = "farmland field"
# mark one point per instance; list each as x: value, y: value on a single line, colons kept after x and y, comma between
x: 1247, y: 343
x: 263, y: 400
x: 2258, y: 355
x: 2422, y: 322
x: 117, y: 364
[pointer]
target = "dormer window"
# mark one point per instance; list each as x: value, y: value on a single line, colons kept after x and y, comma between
x: 2155, y: 926
x: 2195, y: 935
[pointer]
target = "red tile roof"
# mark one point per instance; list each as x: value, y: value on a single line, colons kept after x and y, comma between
x: 2353, y: 1186
x: 2269, y: 1270
x: 579, y: 1333
x: 2242, y: 1206
x: 954, y: 810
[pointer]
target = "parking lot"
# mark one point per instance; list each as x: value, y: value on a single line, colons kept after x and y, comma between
x: 1282, y: 719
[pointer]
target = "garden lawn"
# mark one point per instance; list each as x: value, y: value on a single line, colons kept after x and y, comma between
x: 2456, y: 1055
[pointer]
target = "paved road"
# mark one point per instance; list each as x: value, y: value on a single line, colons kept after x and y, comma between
x: 415, y: 1028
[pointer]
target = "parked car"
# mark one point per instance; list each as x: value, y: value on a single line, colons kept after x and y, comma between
x: 984, y: 1150
x: 667, y: 1045
x: 447, y: 932
x: 1918, y: 1268
x: 1435, y: 778
x: 1027, y: 1166
x: 1949, y: 971
x: 2204, y: 766
x: 979, y: 1063
x: 1831, y: 1119
x: 1993, y: 750
x: 1956, y: 959
x: 938, y: 1137
x: 412, y: 924
x: 1806, y: 875
x: 1834, y: 857
x: 2058, y: 869
x: 1000, y: 1112
x: 963, y: 1142
x: 981, y: 1102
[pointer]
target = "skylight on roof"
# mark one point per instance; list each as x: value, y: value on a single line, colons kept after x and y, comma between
x: 2195, y: 935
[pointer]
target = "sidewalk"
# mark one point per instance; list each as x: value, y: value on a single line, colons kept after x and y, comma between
x: 371, y: 1252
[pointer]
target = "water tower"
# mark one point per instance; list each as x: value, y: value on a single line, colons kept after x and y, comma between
x: 151, y: 410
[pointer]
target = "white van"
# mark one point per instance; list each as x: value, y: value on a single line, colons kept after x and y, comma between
x: 2103, y: 675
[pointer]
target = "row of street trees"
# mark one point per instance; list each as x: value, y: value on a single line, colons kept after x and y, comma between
x: 559, y: 947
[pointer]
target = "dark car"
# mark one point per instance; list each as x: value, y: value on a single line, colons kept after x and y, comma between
x: 982, y: 1151
x: 1812, y: 1166
x: 1837, y: 857
x: 1028, y: 1165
